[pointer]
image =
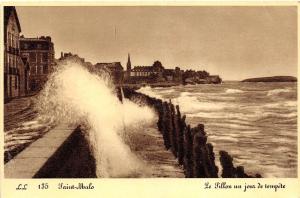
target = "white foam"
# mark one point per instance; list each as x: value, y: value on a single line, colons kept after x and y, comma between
x: 278, y: 91
x: 280, y: 104
x: 33, y: 122
x: 291, y: 115
x: 191, y: 104
x: 150, y: 92
x: 290, y: 104
x: 223, y: 138
x: 233, y: 91
x: 74, y: 95
x: 183, y: 94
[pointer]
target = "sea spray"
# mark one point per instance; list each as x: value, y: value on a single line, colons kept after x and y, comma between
x: 75, y: 96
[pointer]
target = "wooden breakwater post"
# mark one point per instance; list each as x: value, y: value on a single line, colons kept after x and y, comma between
x: 166, y: 125
x: 188, y: 153
x: 229, y: 171
x: 203, y: 157
x: 180, y: 135
x: 189, y: 145
x: 173, y: 129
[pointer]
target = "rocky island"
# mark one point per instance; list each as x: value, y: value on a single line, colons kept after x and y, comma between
x: 272, y: 79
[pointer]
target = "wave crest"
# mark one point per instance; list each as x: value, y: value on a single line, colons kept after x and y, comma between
x: 278, y: 91
x: 234, y: 91
x: 147, y: 90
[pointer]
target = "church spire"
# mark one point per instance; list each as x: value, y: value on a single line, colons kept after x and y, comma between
x: 128, y: 63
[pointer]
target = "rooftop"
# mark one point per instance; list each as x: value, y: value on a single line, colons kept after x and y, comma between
x: 8, y: 10
x: 41, y: 38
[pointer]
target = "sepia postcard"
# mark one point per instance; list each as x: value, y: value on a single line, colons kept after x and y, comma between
x: 157, y: 99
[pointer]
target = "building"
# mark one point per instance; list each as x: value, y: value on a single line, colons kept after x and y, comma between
x: 143, y: 71
x: 24, y: 77
x: 114, y: 69
x: 128, y: 69
x: 69, y: 55
x: 152, y: 74
x: 169, y: 74
x: 146, y: 74
x: 146, y: 71
x: 214, y: 79
x: 178, y: 75
x: 173, y: 75
x: 40, y: 55
x: 74, y: 58
x: 14, y: 84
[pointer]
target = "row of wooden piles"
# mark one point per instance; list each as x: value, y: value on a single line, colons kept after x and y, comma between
x: 189, y: 145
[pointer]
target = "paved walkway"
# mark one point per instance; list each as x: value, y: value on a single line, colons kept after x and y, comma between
x: 27, y: 163
x: 16, y: 105
x: 22, y: 125
x: 16, y: 111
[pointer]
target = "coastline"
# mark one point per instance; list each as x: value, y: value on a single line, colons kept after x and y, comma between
x: 159, y: 84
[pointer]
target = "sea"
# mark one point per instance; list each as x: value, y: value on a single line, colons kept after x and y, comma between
x: 255, y: 122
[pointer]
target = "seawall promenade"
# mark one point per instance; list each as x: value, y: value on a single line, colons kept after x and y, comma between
x: 169, y: 148
x: 63, y: 152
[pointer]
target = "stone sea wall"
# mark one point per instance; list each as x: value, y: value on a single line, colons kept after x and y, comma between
x: 73, y: 159
x: 189, y: 145
x: 61, y: 153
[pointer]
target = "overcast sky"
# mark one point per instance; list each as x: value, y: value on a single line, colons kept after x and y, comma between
x: 234, y: 42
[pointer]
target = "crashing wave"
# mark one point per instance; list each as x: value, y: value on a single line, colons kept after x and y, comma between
x: 75, y: 95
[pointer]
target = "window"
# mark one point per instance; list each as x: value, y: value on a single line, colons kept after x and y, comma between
x: 11, y: 61
x: 16, y: 82
x: 8, y: 60
x: 45, y: 69
x: 45, y: 57
x: 39, y: 69
x: 25, y: 55
x: 15, y: 61
x: 33, y: 69
x: 8, y: 40
x: 11, y: 40
x: 33, y: 85
x: 39, y: 57
x: 32, y: 57
x: 17, y: 41
x: 26, y: 46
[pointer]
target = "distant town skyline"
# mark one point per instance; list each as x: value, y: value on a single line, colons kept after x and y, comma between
x: 233, y: 42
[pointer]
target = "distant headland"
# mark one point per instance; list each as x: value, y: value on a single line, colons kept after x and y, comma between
x: 272, y: 79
